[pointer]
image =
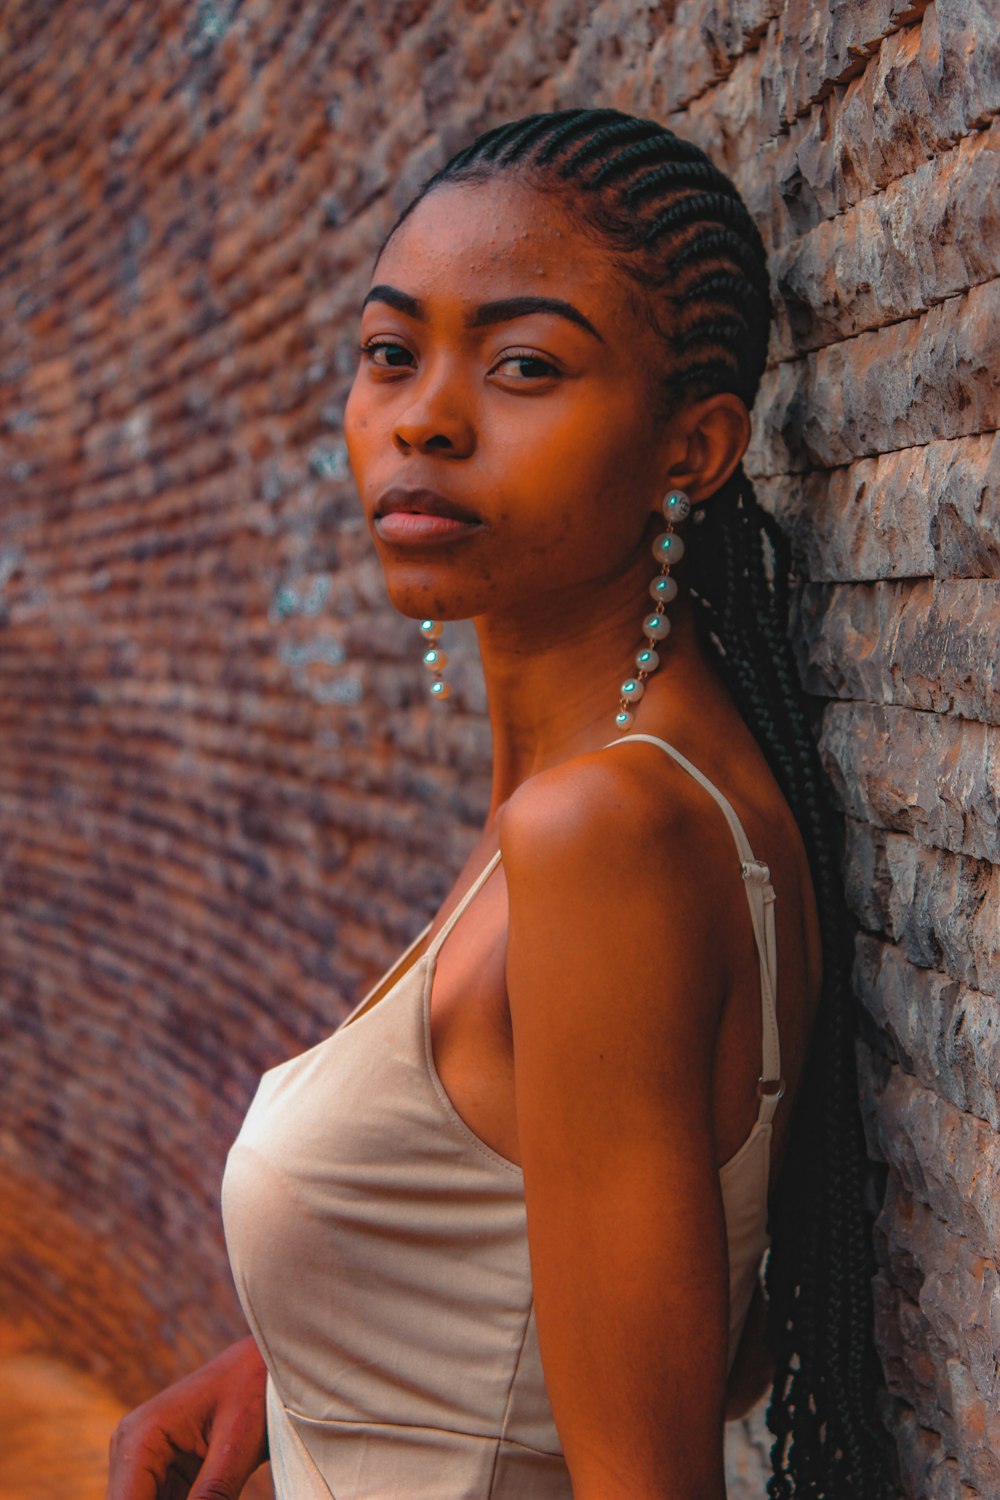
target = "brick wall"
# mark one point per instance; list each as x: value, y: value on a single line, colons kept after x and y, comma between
x: 225, y: 801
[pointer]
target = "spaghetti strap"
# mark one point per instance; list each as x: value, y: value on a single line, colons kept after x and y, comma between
x: 395, y: 973
x: 760, y: 898
x: 473, y: 890
x: 400, y: 968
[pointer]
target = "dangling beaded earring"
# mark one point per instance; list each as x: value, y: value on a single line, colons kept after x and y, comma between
x: 434, y: 658
x: 667, y: 549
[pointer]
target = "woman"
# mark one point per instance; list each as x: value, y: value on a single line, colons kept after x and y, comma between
x: 499, y: 1236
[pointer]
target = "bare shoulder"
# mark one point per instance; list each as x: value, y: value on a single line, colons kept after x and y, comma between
x: 615, y: 815
x: 608, y: 793
x: 608, y: 858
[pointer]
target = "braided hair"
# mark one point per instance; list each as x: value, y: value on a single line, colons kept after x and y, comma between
x: 679, y: 232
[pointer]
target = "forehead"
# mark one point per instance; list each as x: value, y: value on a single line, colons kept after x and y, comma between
x: 500, y: 237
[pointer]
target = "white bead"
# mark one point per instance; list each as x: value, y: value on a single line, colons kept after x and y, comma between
x: 656, y: 626
x: 435, y: 659
x: 668, y: 548
x: 647, y: 659
x: 676, y: 506
x: 440, y: 689
x: 624, y: 720
x: 663, y: 588
x: 632, y: 690
x: 431, y: 629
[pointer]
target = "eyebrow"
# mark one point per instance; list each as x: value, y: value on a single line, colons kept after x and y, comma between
x: 487, y: 313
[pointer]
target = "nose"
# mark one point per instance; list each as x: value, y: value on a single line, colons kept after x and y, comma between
x: 435, y: 422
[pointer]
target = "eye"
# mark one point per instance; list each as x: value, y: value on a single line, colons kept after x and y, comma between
x: 391, y: 361
x: 538, y: 368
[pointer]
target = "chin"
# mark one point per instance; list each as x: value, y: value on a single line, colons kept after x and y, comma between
x: 425, y: 604
x: 428, y: 600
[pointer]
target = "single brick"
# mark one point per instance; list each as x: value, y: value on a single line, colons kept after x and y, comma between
x: 932, y: 777
x: 922, y: 645
x: 941, y: 909
x: 927, y: 512
x: 943, y: 1033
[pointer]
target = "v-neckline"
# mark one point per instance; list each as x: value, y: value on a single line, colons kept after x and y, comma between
x: 390, y: 980
x: 394, y: 976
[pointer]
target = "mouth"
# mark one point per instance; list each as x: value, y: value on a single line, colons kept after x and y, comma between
x: 421, y: 502
x: 419, y: 516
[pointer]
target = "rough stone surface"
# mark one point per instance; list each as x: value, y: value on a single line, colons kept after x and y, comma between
x: 937, y: 1305
x: 917, y: 645
x: 928, y: 512
x: 932, y: 376
x: 928, y: 86
x: 944, y: 1398
x: 943, y: 1157
x: 923, y: 1465
x: 225, y: 802
x: 942, y: 909
x: 957, y: 1291
x: 797, y: 52
x: 931, y: 235
x: 933, y: 777
x: 942, y: 1032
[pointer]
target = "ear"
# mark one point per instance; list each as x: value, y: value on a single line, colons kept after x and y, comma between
x: 703, y: 444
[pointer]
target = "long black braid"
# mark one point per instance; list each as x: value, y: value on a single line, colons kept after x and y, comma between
x: 679, y: 230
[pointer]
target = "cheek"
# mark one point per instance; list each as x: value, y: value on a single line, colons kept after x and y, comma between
x: 587, y: 474
x: 599, y: 435
x: 356, y: 424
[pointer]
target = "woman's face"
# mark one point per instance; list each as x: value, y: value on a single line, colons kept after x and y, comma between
x: 533, y: 420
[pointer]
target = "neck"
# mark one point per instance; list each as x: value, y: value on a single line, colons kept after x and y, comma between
x: 553, y: 679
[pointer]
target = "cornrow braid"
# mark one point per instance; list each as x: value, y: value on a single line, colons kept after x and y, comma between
x: 525, y: 138
x: 572, y: 126
x: 713, y: 281
x: 671, y: 172
x: 679, y: 229
x: 624, y: 134
x: 648, y: 150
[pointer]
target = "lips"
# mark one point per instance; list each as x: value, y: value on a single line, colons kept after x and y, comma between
x: 421, y: 518
x: 421, y: 502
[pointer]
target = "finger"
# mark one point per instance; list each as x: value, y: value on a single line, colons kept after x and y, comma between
x: 232, y: 1457
x: 135, y: 1470
x: 220, y: 1483
x: 217, y: 1487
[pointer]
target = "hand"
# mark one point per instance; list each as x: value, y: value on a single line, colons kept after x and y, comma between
x: 200, y: 1439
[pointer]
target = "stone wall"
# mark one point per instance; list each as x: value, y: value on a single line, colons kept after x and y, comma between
x: 225, y: 801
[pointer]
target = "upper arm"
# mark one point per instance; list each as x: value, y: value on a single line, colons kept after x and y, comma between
x: 616, y: 974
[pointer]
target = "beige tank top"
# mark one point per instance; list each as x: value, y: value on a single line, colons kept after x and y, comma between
x: 380, y: 1252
